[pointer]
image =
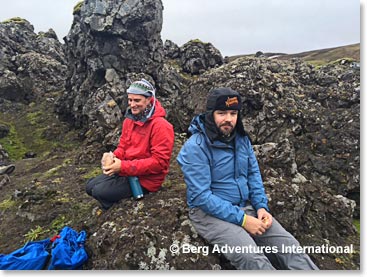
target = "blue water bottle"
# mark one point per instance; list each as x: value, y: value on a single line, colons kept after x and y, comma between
x: 136, y: 187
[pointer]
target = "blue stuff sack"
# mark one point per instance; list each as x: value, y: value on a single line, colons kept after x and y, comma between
x: 32, y: 256
x: 67, y: 251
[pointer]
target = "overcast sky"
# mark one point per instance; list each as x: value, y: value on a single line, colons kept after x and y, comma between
x: 233, y: 26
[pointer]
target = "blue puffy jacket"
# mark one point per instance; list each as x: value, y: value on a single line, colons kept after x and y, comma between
x: 219, y: 178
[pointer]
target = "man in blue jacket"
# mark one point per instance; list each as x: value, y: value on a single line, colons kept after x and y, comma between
x: 225, y: 192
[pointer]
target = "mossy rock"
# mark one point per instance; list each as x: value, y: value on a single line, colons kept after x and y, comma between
x: 77, y: 7
x: 16, y: 20
x: 197, y: 41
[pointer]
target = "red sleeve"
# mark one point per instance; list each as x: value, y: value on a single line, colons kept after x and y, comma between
x: 120, y: 151
x: 161, y: 141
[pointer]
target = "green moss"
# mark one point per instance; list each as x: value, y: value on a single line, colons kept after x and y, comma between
x: 34, y: 117
x: 357, y: 224
x: 41, y: 35
x: 177, y: 67
x: 17, y: 20
x: 77, y: 7
x: 167, y: 184
x: 58, y: 223
x: 7, y: 204
x: 13, y: 143
x: 338, y: 61
x: 317, y: 63
x: 33, y: 131
x: 57, y: 180
x: 66, y: 161
x: 47, y: 231
x: 197, y: 41
x: 51, y: 172
x: 92, y: 173
x: 79, y: 211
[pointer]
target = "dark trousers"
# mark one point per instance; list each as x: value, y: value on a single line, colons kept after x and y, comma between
x: 109, y: 189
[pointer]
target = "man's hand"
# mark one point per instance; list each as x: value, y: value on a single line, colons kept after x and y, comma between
x: 265, y: 217
x: 107, y: 159
x: 113, y: 168
x: 254, y: 225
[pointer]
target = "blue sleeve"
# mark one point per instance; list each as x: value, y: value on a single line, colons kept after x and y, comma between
x: 255, y: 184
x: 195, y: 166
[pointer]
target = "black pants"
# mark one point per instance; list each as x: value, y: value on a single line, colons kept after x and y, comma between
x: 109, y: 189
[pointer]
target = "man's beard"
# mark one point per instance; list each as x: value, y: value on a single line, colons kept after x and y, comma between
x: 226, y: 132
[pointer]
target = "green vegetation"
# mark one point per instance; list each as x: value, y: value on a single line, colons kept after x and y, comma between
x: 13, y: 143
x: 55, y: 170
x: 167, y: 184
x: 35, y: 234
x: 331, y: 55
x: 320, y: 57
x: 357, y: 224
x: 67, y: 161
x: 16, y: 20
x: 197, y: 41
x: 77, y: 7
x: 177, y: 67
x: 52, y: 172
x: 32, y: 131
x: 42, y: 233
x: 319, y: 63
x: 92, y: 173
x: 7, y: 203
x: 34, y: 117
x: 58, y: 223
x: 338, y: 61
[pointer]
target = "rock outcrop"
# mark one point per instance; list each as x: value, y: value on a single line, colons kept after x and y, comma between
x: 181, y: 65
x: 316, y: 110
x: 32, y: 65
x: 196, y: 57
x: 109, y: 45
x: 171, y: 50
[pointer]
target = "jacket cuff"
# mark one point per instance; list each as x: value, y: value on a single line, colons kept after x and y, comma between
x: 240, y: 218
x: 244, y: 220
x: 261, y: 205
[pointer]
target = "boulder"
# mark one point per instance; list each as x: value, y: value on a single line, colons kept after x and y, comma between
x: 197, y: 57
x: 171, y: 50
x: 32, y: 65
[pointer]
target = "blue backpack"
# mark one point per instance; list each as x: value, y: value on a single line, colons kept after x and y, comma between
x: 66, y: 251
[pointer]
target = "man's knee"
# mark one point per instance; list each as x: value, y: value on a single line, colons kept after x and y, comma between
x: 96, y: 186
x: 89, y: 187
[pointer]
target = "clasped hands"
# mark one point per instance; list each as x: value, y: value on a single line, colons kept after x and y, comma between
x: 258, y: 226
x: 110, y: 164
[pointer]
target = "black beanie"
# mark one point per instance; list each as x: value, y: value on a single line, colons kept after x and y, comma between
x: 223, y: 99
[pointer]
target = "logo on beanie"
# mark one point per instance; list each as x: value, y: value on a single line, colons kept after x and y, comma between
x: 225, y: 102
x: 231, y: 101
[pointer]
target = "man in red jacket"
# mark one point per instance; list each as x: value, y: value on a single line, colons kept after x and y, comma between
x: 144, y: 150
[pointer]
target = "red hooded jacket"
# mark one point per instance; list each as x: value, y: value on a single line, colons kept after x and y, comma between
x: 145, y: 148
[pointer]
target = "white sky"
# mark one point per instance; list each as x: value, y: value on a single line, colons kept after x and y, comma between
x: 233, y: 26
